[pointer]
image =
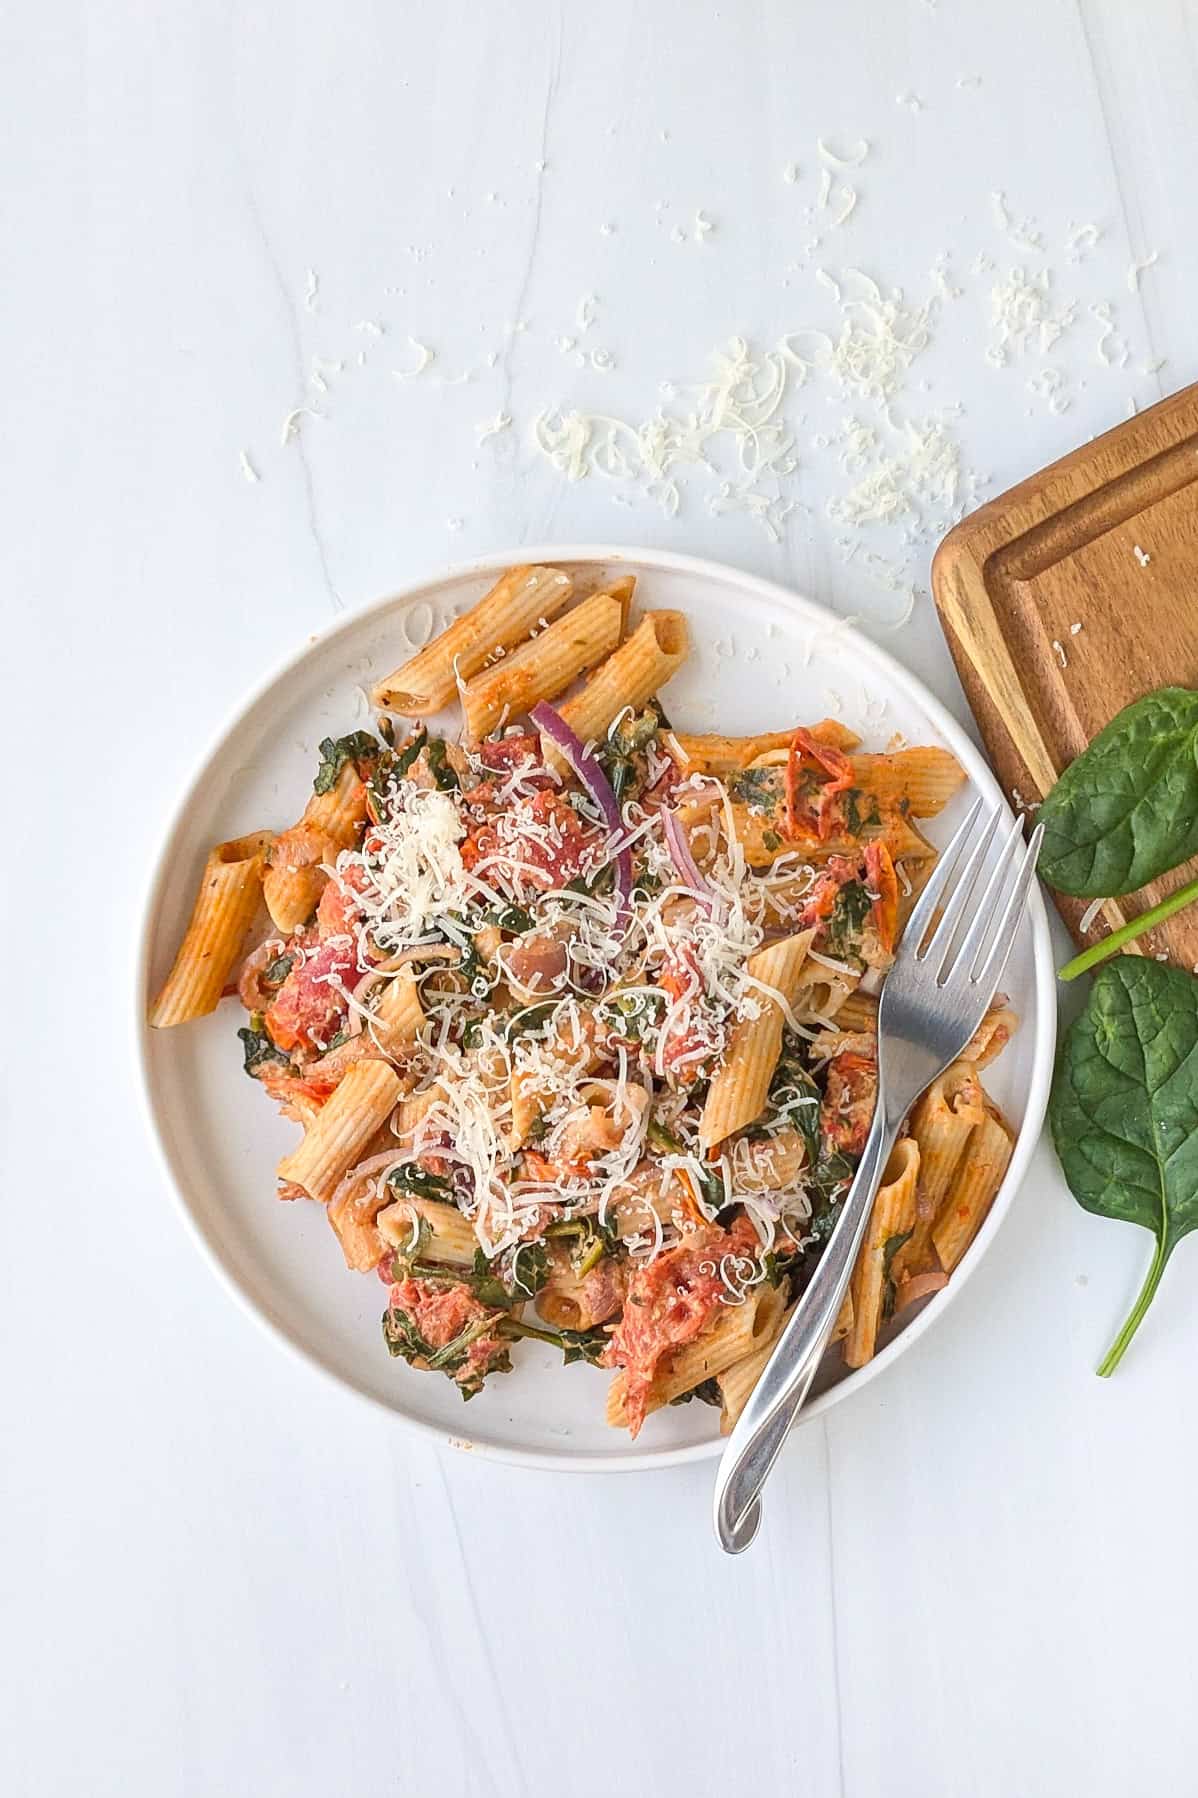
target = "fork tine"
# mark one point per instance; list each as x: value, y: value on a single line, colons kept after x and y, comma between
x: 1008, y: 924
x: 966, y: 957
x: 941, y: 941
x: 924, y: 908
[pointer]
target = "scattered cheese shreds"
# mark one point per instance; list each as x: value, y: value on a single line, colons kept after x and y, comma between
x: 247, y: 468
x: 424, y: 359
x: 1136, y: 269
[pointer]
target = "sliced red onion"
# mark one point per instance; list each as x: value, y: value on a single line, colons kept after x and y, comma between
x: 596, y: 783
x: 684, y: 861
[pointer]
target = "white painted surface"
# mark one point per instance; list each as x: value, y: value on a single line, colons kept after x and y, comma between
x: 219, y: 1575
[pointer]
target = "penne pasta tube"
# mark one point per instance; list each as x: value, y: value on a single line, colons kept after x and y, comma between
x: 544, y: 667
x: 859, y: 1012
x: 737, y: 1382
x: 977, y: 1178
x: 515, y: 605
x: 341, y: 1129
x: 397, y: 1017
x: 715, y: 754
x: 450, y: 1236
x: 992, y: 1035
x: 353, y: 1213
x: 923, y: 780
x: 893, y: 1215
x: 296, y: 877
x: 570, y: 1301
x: 225, y: 906
x: 737, y: 1331
x: 771, y: 1164
x: 941, y: 1123
x: 741, y: 1083
x: 759, y: 823
x: 630, y: 676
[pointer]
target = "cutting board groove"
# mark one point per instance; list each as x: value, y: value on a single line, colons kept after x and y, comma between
x: 1068, y: 597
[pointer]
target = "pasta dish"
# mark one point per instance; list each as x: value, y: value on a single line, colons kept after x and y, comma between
x: 575, y: 1008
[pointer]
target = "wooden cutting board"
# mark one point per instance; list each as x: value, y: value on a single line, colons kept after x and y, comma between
x: 1071, y: 595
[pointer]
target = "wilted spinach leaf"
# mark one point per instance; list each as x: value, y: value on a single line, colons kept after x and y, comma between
x: 412, y: 1181
x: 336, y: 751
x: 260, y: 1052
x: 707, y: 1392
x: 1126, y: 810
x: 1124, y: 1110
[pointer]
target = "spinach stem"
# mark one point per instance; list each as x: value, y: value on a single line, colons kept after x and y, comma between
x: 1114, y: 1354
x: 1128, y: 932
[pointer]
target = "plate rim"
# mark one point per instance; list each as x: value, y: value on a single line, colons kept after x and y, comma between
x: 1042, y: 1023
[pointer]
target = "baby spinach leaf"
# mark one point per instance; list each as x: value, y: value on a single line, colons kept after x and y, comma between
x: 1124, y: 1110
x: 1126, y: 810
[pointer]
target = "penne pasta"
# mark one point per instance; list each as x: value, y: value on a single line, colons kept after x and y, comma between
x: 992, y: 1035
x: 545, y: 665
x: 922, y: 781
x: 630, y: 676
x: 225, y: 907
x: 341, y: 1129
x: 397, y: 1017
x: 450, y: 1237
x: 741, y: 1083
x: 737, y: 1331
x: 941, y: 1124
x: 520, y: 599
x: 760, y: 829
x: 296, y: 876
x: 977, y: 1178
x: 719, y: 755
x: 858, y: 1013
x: 892, y: 1217
x: 573, y: 1301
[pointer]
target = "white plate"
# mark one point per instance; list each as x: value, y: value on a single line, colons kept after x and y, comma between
x: 763, y: 659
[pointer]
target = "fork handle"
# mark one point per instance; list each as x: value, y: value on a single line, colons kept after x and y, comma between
x: 778, y: 1396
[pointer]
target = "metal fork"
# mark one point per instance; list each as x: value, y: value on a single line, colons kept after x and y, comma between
x: 932, y: 1001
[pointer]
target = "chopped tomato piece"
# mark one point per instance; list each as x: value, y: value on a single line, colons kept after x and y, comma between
x: 546, y: 845
x: 670, y: 1301
x: 439, y: 1313
x: 881, y: 879
x: 825, y: 889
x: 848, y: 1103
x: 816, y: 776
x: 309, y: 1006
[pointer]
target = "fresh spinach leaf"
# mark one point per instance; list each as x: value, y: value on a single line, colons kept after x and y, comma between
x: 275, y: 972
x: 336, y: 751
x: 1124, y: 1110
x: 1126, y: 810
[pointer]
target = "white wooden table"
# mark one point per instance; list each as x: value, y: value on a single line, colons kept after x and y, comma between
x: 217, y: 1574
